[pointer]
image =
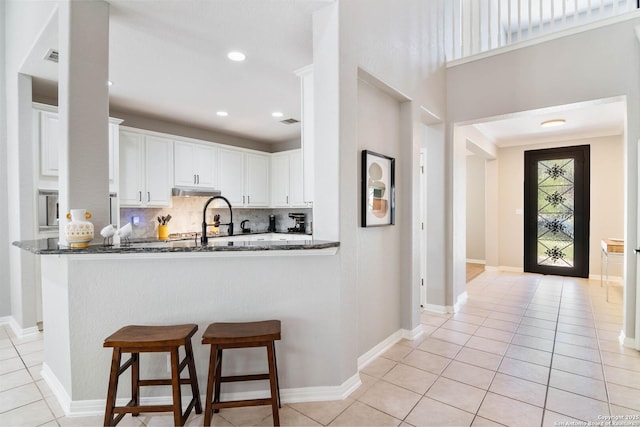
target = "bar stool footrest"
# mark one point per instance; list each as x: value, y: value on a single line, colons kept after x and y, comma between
x: 146, y: 408
x: 241, y: 403
x: 146, y: 383
x: 233, y: 378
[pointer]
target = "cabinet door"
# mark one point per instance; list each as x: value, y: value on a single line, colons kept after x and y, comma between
x: 280, y: 180
x: 159, y: 169
x: 257, y: 180
x: 184, y: 173
x: 296, y: 180
x: 205, y: 161
x: 131, y: 169
x: 231, y: 170
x: 49, y: 141
x: 114, y: 135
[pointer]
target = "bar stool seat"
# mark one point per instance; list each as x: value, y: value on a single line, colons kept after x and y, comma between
x: 137, y: 339
x: 223, y: 336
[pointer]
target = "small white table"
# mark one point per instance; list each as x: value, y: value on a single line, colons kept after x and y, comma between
x: 609, y: 247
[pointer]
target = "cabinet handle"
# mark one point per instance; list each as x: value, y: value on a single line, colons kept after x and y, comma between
x: 287, y: 199
x: 148, y: 196
x: 194, y: 178
x: 248, y: 200
x: 198, y: 179
x: 243, y: 200
x: 140, y: 195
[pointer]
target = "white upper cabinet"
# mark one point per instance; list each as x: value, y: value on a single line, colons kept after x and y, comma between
x: 231, y: 168
x: 196, y: 165
x: 47, y: 131
x: 244, y: 178
x: 257, y: 179
x: 146, y: 166
x: 49, y: 142
x: 286, y: 179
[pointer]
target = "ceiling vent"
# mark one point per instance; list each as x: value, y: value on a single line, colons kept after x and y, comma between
x: 289, y: 121
x: 52, y: 55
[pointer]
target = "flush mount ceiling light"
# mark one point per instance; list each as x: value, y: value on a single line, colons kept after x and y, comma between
x: 222, y: 113
x: 552, y: 123
x: 109, y: 83
x: 236, y: 56
x: 277, y: 114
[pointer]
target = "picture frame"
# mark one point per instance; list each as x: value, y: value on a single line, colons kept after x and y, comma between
x: 377, y: 190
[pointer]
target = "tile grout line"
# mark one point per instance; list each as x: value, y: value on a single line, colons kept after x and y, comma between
x: 553, y: 353
x: 604, y: 374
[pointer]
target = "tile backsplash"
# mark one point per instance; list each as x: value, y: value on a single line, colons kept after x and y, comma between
x: 186, y: 216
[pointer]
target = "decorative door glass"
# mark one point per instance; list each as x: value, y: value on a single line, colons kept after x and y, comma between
x: 556, y: 212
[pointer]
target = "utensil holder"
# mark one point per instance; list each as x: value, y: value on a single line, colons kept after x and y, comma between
x: 163, y: 232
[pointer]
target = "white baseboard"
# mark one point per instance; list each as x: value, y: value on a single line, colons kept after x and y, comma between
x: 616, y: 279
x: 440, y: 309
x: 462, y: 298
x: 18, y: 330
x: 626, y: 341
x: 387, y: 343
x: 476, y: 261
x: 511, y: 269
x: 314, y: 394
x: 58, y: 389
x: 85, y: 408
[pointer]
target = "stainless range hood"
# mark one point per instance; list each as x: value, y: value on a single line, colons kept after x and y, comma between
x: 194, y: 192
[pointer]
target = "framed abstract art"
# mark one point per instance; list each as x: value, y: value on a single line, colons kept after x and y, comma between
x: 378, y: 190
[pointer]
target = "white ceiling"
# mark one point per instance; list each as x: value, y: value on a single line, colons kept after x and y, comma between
x: 583, y: 120
x: 167, y: 59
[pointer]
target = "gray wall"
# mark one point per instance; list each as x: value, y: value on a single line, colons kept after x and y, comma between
x: 475, y: 208
x: 382, y: 40
x: 379, y: 261
x: 594, y: 64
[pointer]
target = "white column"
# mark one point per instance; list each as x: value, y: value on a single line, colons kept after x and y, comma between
x: 84, y: 110
x: 326, y: 131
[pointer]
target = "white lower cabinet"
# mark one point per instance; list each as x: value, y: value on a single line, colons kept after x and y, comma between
x: 244, y: 178
x: 286, y: 179
x: 146, y: 170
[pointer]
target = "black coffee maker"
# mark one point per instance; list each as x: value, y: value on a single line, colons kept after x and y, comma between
x: 272, y: 224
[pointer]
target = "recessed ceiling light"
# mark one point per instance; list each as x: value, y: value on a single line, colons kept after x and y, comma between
x: 277, y: 114
x: 552, y: 123
x: 222, y: 113
x: 109, y: 83
x: 236, y: 56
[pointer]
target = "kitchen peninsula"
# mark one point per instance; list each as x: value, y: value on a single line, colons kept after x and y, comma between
x: 90, y: 293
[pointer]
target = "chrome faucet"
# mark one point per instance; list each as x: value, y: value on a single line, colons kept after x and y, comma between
x: 203, y: 238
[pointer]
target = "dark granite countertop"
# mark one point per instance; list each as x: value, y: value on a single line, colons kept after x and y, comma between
x: 50, y: 246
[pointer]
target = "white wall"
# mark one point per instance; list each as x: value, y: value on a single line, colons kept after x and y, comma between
x: 5, y: 296
x: 438, y: 291
x: 607, y: 198
x: 599, y: 63
x: 475, y: 208
x: 397, y: 46
x: 24, y: 21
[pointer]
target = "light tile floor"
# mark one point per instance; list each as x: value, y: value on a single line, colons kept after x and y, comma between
x: 524, y: 350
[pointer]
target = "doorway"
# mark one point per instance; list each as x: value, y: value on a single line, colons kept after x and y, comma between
x: 556, y: 211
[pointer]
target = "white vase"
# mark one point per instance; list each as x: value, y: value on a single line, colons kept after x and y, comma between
x: 78, y: 231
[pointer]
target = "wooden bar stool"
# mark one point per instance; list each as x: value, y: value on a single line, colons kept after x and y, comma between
x: 151, y: 339
x: 223, y: 336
